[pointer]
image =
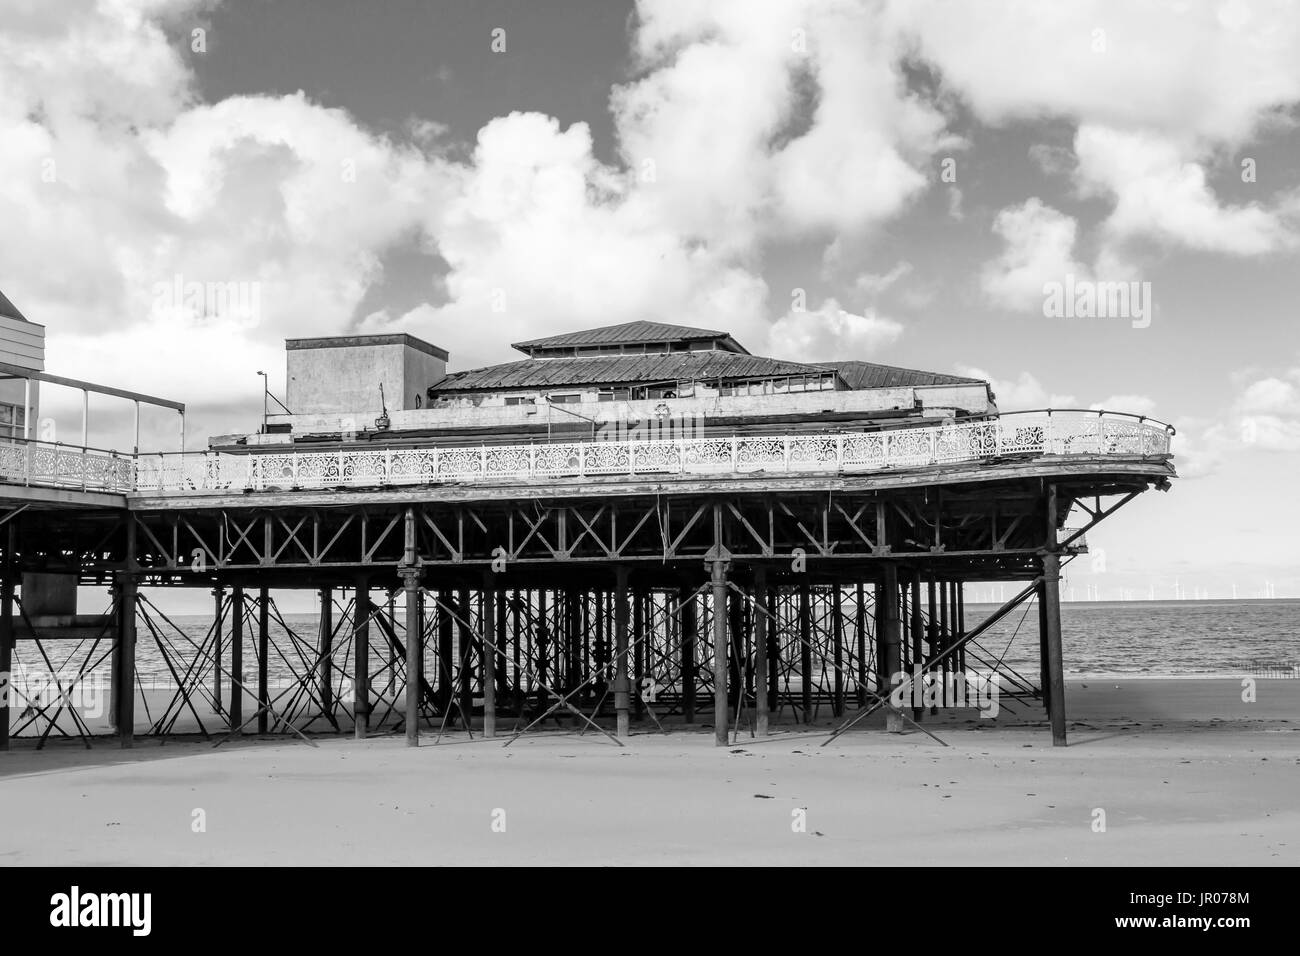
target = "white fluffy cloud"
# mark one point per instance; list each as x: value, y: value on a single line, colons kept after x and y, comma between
x: 1156, y: 88
x: 1038, y: 247
x: 541, y: 238
x: 742, y: 124
x: 762, y: 118
x: 1024, y: 392
x: 831, y: 334
x: 1266, y: 413
x: 1209, y: 72
x: 1159, y: 194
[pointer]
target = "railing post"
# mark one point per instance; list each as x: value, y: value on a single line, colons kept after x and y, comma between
x: 482, y: 461
x: 786, y: 443
x: 437, y: 464
x: 341, y: 479
x: 532, y: 461
x: 735, y: 458
x: 293, y: 465
x: 1048, y: 437
x: 839, y: 451
x: 1101, y: 434
x: 582, y: 460
x: 388, y: 466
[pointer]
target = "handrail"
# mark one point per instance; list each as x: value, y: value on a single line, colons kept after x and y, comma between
x: 1011, y: 435
x: 1077, y: 411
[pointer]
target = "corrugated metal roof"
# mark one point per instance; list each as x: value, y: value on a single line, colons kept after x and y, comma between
x: 9, y: 310
x: 870, y: 375
x: 620, y: 370
x: 625, y: 333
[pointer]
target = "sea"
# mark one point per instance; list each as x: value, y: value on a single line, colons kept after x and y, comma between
x: 1180, y: 639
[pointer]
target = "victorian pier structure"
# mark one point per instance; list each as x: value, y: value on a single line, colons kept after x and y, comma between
x: 629, y: 529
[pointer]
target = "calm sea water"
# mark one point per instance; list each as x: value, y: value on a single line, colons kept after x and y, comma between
x: 1157, y: 638
x: 1151, y: 638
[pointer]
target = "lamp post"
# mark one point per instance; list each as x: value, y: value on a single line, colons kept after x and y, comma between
x: 266, y: 390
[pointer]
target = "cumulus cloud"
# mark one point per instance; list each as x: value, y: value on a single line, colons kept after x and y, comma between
x: 1159, y: 194
x: 831, y: 334
x: 741, y: 125
x: 761, y: 119
x: 1038, y: 247
x: 1266, y: 413
x: 1024, y: 392
x: 1188, y: 71
x: 540, y: 237
x: 1156, y: 90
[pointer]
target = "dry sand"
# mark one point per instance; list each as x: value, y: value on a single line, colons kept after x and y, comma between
x: 1185, y: 772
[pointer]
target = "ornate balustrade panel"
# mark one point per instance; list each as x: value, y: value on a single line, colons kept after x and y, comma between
x: 1011, y: 435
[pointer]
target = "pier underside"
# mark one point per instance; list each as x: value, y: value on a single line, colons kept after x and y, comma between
x: 601, y: 605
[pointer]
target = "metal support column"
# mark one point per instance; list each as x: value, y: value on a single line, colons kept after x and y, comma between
x: 622, y: 686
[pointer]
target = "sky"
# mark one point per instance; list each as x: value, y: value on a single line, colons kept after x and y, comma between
x: 826, y: 179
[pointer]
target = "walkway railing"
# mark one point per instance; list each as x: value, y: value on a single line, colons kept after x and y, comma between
x: 1015, y: 434
x: 1018, y: 434
x: 52, y: 465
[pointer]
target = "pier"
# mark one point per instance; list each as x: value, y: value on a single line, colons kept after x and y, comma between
x: 496, y: 582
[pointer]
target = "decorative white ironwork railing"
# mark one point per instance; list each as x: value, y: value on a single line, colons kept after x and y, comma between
x: 849, y: 452
x: 65, y: 466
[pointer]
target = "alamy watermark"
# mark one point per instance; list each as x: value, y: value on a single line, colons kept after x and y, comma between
x: 1077, y: 298
x: 954, y: 689
x: 208, y: 300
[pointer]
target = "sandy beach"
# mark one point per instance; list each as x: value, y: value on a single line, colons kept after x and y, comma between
x: 1185, y: 772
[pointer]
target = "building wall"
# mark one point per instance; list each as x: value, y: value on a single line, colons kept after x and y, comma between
x: 344, y: 380
x: 936, y: 402
x: 21, y: 344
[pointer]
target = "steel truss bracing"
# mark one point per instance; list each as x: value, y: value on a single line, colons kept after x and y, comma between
x: 505, y: 615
